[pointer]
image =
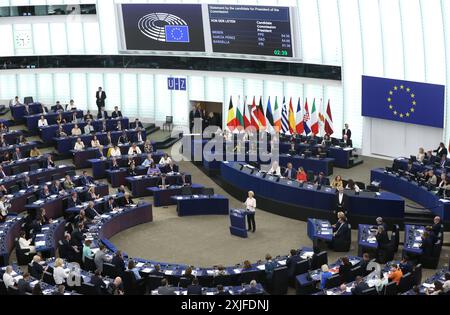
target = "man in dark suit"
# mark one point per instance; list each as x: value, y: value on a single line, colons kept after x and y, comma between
x: 291, y: 261
x: 321, y: 179
x: 341, y: 201
x: 137, y: 124
x: 36, y: 268
x: 290, y: 173
x: 346, y: 132
x: 220, y: 290
x: 86, y: 180
x: 73, y: 201
x: 123, y: 139
x: 45, y: 193
x: 360, y: 286
x: 116, y: 113
x: 23, y: 285
x: 194, y: 288
x: 441, y: 151
x: 17, y: 155
x: 252, y: 289
x: 110, y: 205
x: 192, y: 116
x: 97, y: 281
x: 100, y: 96
x: 72, y: 245
x: 138, y: 137
x: 118, y: 262
x: 437, y: 225
x: 90, y: 211
x: 55, y: 187
x: 157, y: 271
x: 77, y: 237
x: 103, y: 114
x: 58, y: 107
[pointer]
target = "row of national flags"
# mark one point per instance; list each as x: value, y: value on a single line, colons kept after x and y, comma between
x: 286, y: 118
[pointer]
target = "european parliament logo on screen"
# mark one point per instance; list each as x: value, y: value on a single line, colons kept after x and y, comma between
x: 177, y: 34
x: 163, y: 27
x: 403, y: 101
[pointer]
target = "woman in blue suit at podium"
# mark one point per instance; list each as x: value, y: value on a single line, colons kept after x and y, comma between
x: 250, y: 205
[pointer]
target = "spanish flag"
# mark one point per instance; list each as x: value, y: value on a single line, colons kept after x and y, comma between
x: 292, y: 125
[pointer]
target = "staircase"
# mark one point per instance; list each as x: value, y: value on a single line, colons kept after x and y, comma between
x: 355, y: 160
x: 418, y: 216
x: 150, y: 128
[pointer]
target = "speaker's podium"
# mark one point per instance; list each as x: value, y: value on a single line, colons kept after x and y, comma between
x: 237, y: 222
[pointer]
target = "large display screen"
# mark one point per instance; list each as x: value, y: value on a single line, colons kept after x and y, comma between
x: 163, y: 27
x: 209, y: 30
x: 256, y: 30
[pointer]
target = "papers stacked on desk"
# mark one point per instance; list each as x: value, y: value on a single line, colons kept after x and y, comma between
x: 261, y: 267
x: 282, y: 262
x: 307, y: 255
x: 237, y: 270
x: 416, y: 245
x: 105, y: 216
x: 39, y: 202
x: 428, y: 285
x: 371, y: 239
x: 140, y: 265
x: 210, y: 272
x: 168, y: 272
x: 147, y: 270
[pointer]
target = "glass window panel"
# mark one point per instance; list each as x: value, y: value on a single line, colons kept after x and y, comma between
x: 196, y: 87
x: 113, y: 90
x: 214, y: 89
x: 75, y: 37
x: 27, y: 84
x: 146, y: 96
x: 6, y: 40
x: 330, y: 32
x: 41, y: 38
x: 412, y: 40
x: 371, y: 37
x: 310, y: 31
x: 392, y: 39
x: 61, y: 83
x: 163, y: 98
x: 45, y: 89
x: 58, y: 38
x: 8, y: 86
x: 92, y: 38
x: 79, y: 90
x: 129, y: 94
x: 180, y: 107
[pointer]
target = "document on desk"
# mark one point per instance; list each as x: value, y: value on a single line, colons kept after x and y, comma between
x: 282, y: 262
x: 45, y: 228
x: 147, y: 270
x: 416, y: 245
x: 40, y: 244
x: 140, y: 264
x: 237, y: 270
x: 306, y: 255
x: 40, y: 235
x: 261, y: 267
x: 168, y: 272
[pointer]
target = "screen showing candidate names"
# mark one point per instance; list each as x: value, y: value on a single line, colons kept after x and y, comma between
x: 169, y: 27
x: 255, y: 30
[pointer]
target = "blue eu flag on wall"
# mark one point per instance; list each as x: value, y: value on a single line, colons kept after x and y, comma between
x: 403, y: 101
x: 177, y: 33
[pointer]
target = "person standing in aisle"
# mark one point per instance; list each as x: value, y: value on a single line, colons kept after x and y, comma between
x: 100, y: 96
x: 250, y: 205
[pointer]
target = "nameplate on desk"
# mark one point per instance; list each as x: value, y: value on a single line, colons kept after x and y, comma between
x: 40, y: 244
x: 45, y: 228
x: 40, y: 235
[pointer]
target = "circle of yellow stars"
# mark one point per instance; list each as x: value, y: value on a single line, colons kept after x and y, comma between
x: 393, y: 108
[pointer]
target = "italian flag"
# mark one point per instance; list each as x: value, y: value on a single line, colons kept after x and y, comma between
x: 314, y: 119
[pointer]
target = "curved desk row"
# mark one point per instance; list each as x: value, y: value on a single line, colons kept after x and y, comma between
x: 99, y: 166
x: 55, y: 204
x: 139, y: 184
x: 411, y: 190
x: 32, y: 120
x: 44, y: 174
x: 288, y: 199
x: 24, y: 147
x: 23, y: 165
x: 65, y: 144
x: 9, y: 230
x: 46, y: 241
x: 12, y: 136
x: 18, y: 112
x: 49, y: 132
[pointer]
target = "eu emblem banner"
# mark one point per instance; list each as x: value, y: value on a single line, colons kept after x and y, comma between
x: 405, y: 101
